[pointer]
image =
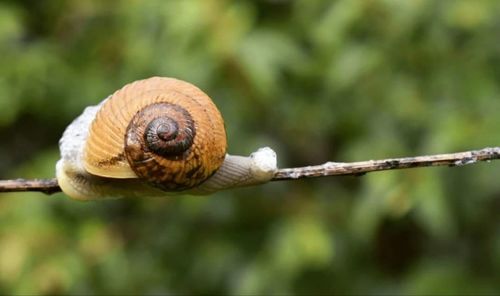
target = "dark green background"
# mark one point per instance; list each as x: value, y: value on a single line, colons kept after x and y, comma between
x: 316, y: 81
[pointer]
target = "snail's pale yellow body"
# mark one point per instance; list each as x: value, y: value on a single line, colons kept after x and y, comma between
x: 154, y: 137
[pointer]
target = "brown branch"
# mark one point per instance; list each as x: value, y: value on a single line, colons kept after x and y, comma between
x: 363, y: 167
x: 50, y: 186
x: 47, y: 186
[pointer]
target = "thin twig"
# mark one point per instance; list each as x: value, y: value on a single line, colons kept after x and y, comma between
x: 47, y: 186
x: 50, y: 186
x: 363, y: 167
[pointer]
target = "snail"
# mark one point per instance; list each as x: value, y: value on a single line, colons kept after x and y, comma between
x: 154, y: 137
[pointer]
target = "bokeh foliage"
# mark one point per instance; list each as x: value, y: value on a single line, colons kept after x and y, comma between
x: 316, y: 80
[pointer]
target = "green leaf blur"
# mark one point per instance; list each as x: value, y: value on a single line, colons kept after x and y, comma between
x: 315, y: 80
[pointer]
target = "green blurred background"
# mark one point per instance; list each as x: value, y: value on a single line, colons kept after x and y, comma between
x: 316, y: 81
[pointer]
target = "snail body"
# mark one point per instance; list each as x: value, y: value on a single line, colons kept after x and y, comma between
x: 154, y: 137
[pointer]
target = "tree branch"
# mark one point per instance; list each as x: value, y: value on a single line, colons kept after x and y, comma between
x: 363, y: 167
x: 49, y: 186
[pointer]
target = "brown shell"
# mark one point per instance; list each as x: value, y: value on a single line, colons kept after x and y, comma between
x: 116, y: 146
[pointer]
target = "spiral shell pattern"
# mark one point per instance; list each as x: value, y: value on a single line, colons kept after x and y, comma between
x: 164, y: 130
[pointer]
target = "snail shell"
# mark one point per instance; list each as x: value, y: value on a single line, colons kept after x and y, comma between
x: 161, y: 129
x: 154, y: 137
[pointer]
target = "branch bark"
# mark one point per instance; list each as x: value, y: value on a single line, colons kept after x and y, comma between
x: 49, y: 186
x: 363, y: 167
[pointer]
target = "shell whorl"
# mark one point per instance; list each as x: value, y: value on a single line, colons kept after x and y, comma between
x: 164, y: 130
